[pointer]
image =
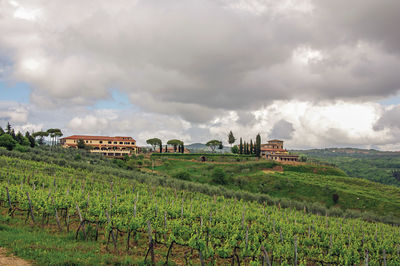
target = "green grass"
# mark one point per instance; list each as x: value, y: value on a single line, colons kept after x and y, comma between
x: 45, y: 248
x: 309, y: 183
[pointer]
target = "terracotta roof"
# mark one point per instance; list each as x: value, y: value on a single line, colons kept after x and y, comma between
x: 275, y: 140
x: 283, y: 150
x: 118, y: 138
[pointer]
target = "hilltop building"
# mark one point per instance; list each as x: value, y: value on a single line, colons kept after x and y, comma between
x: 274, y: 150
x: 116, y: 147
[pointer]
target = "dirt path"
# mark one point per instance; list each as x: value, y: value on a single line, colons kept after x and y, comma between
x: 11, y: 260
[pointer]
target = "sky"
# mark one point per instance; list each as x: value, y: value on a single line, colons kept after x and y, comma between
x: 315, y: 73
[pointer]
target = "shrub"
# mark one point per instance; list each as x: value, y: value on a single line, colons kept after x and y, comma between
x: 21, y: 148
x: 183, y: 175
x: 7, y: 141
x: 219, y: 176
x: 335, y: 198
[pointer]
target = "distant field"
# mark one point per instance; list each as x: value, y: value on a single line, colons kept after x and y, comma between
x: 373, y: 165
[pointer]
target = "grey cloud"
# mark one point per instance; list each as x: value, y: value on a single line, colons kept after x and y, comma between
x: 282, y: 129
x: 389, y: 120
x: 197, y: 59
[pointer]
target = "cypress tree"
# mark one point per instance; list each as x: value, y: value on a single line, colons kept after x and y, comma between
x: 251, y: 147
x: 258, y: 145
x: 241, y: 146
x: 8, y: 128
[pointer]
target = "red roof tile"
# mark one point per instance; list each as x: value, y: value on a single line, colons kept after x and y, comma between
x: 118, y: 138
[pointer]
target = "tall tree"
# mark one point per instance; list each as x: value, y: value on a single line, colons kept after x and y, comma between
x: 251, y: 146
x: 7, y: 141
x: 8, y: 128
x: 241, y: 146
x: 258, y: 145
x: 54, y: 133
x: 213, y: 144
x: 81, y: 144
x: 231, y: 138
x: 160, y: 144
x: 31, y: 139
x: 154, y: 142
x: 175, y: 143
x: 2, y: 131
x: 57, y: 135
x: 41, y: 135
x: 183, y: 148
x: 220, y: 146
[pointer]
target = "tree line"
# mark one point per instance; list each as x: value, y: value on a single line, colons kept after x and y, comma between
x: 245, y: 147
x: 11, y: 140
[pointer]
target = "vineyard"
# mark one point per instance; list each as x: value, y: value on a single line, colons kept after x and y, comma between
x: 183, y: 227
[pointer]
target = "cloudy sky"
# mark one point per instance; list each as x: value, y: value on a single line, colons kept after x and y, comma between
x: 316, y: 73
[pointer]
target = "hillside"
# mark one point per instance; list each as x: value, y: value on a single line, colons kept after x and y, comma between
x: 377, y: 166
x: 302, y: 183
x: 56, y: 214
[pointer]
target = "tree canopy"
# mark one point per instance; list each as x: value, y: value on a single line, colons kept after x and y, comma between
x: 213, y: 144
x: 7, y: 141
x: 154, y: 142
x: 175, y: 143
x: 231, y: 138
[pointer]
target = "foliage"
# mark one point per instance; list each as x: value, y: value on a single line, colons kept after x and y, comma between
x: 231, y: 138
x: 7, y: 141
x: 175, y: 143
x: 81, y: 144
x: 154, y: 142
x: 213, y: 144
x: 235, y: 149
x: 258, y: 146
x: 219, y: 176
x: 182, y: 174
x: 40, y: 135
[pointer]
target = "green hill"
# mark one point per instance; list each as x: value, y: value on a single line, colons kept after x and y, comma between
x: 377, y: 166
x: 85, y: 210
x: 305, y: 183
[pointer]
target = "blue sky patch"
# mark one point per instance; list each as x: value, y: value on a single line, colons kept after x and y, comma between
x: 18, y: 92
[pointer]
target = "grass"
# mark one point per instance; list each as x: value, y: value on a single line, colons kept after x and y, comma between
x: 45, y: 248
x: 310, y: 183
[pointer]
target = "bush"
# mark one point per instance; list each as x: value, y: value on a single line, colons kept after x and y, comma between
x: 21, y: 148
x: 183, y: 175
x: 219, y: 176
x: 7, y: 141
x: 335, y: 198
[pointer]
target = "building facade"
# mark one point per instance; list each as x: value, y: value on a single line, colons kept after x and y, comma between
x: 274, y: 150
x: 116, y: 147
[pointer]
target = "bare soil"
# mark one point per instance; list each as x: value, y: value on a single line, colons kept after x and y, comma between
x: 11, y: 260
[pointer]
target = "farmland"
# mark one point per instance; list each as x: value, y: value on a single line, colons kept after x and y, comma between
x: 112, y: 218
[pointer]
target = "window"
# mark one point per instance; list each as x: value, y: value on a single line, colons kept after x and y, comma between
x: 101, y: 142
x: 121, y: 142
x: 115, y: 142
x: 86, y: 141
x: 109, y: 142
